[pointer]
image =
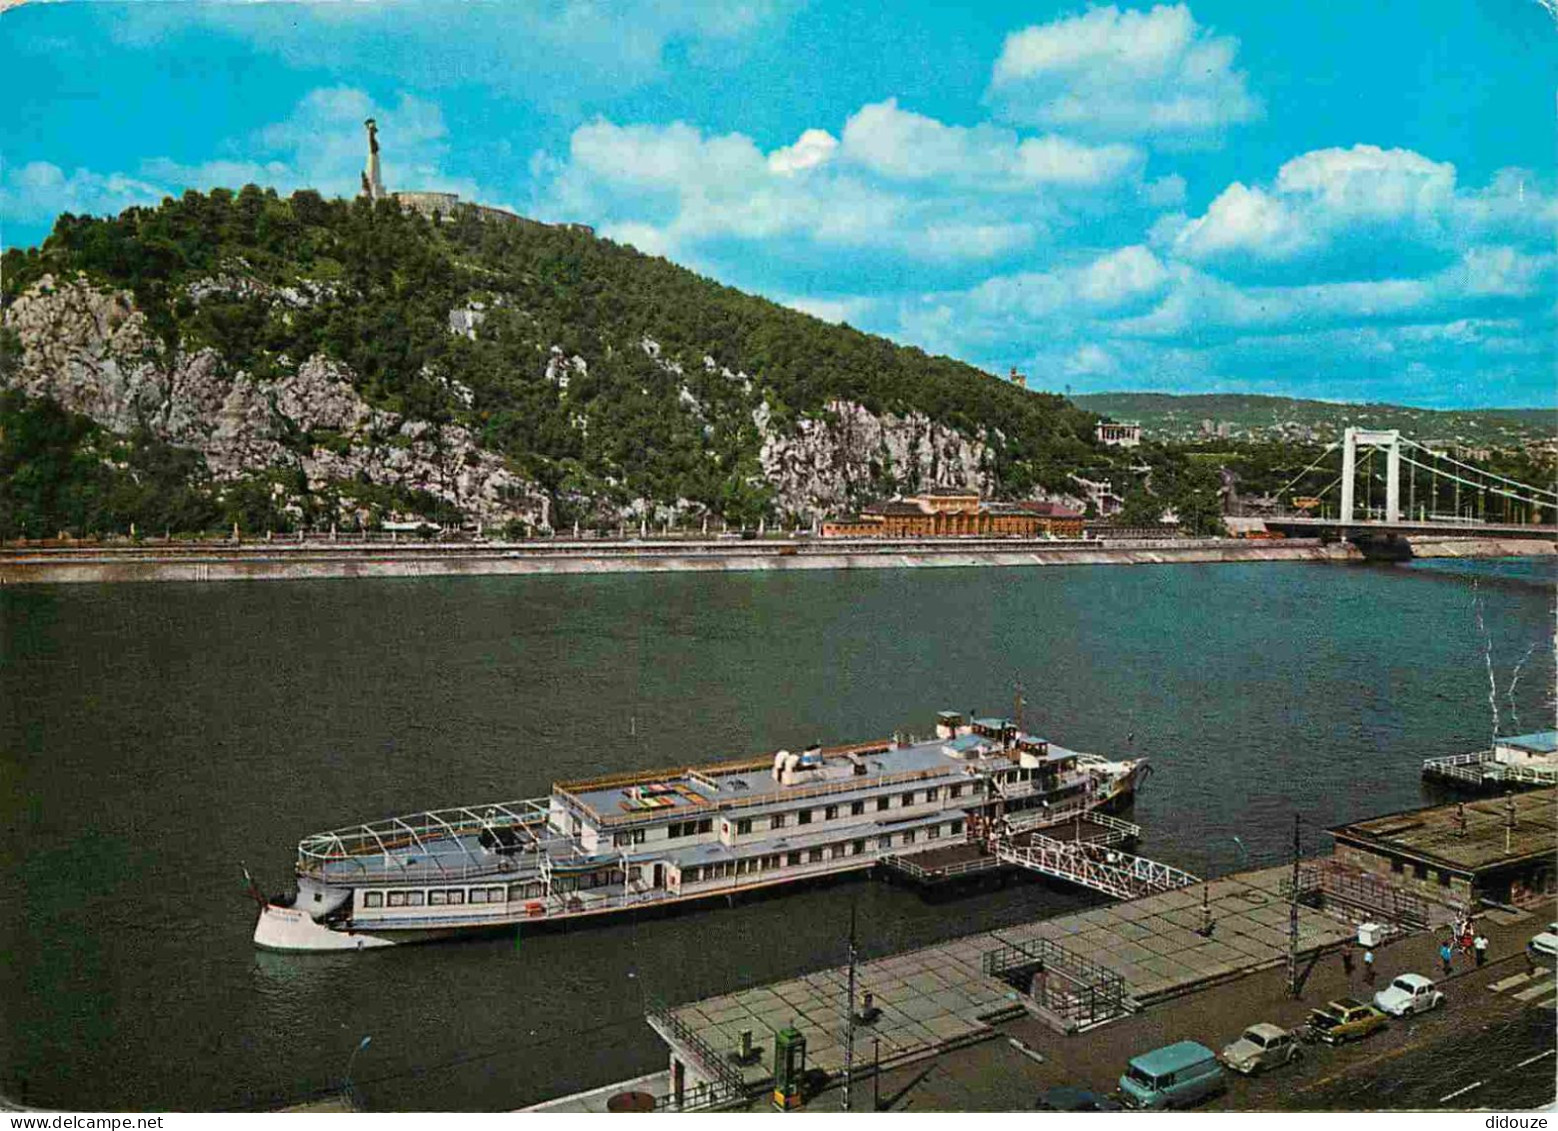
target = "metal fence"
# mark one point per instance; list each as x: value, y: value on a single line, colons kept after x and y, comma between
x: 1060, y: 980
x: 724, y: 1076
x: 1328, y: 882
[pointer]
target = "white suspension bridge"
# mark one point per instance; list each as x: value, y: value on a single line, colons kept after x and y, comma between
x: 1418, y: 489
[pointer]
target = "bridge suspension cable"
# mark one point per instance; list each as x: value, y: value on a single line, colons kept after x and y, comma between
x: 1488, y: 487
x: 1474, y: 470
x: 1329, y: 448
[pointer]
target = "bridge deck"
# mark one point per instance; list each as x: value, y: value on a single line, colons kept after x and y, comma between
x: 1412, y: 526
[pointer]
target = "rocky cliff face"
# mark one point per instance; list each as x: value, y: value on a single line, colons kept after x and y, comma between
x: 90, y: 350
x: 851, y: 456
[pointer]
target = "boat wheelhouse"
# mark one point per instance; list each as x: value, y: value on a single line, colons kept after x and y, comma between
x: 608, y: 844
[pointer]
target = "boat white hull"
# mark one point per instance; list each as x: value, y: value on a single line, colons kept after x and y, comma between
x: 288, y: 929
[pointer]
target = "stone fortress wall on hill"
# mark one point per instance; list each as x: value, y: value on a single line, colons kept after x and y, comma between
x: 446, y: 205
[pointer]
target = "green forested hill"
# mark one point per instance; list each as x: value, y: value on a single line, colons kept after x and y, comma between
x: 1168, y: 417
x: 373, y: 287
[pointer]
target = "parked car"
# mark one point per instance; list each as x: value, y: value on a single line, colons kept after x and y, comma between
x: 1261, y: 1047
x: 1544, y: 947
x: 1345, y: 1019
x: 1408, y: 994
x: 1068, y: 1098
x: 1176, y: 1075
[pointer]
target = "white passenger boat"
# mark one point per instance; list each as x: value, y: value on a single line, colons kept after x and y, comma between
x: 610, y: 844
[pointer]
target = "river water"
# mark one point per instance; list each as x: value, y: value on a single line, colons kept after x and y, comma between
x: 153, y: 737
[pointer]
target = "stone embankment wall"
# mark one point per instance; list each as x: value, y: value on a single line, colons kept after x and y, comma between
x: 262, y: 561
x: 268, y: 561
x: 1428, y: 547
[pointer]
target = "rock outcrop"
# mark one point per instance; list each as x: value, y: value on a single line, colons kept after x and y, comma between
x: 851, y: 455
x: 90, y: 350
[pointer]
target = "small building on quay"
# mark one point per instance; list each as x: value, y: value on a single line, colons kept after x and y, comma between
x: 950, y: 512
x: 1503, y: 850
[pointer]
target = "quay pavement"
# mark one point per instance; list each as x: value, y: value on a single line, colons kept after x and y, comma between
x: 939, y: 1007
x: 1494, y: 1037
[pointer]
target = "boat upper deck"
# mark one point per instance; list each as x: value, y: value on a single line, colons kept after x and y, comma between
x: 751, y: 784
x: 432, y: 838
x: 513, y: 837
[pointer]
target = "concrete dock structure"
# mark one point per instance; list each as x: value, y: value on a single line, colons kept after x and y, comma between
x: 942, y: 997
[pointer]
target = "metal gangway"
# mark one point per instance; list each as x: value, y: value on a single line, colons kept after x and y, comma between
x: 1120, y: 874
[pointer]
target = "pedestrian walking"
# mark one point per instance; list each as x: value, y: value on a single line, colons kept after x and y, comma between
x: 1347, y: 960
x: 1447, y: 956
x: 1481, y: 947
x: 1368, y: 966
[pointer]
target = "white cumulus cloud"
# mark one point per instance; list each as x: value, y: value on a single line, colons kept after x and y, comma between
x: 1358, y: 213
x: 41, y: 190
x: 812, y: 148
x: 903, y: 145
x: 1123, y: 74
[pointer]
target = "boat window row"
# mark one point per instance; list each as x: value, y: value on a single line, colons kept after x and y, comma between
x: 455, y: 897
x: 856, y: 808
x: 1030, y: 774
x: 678, y: 829
x: 797, y: 857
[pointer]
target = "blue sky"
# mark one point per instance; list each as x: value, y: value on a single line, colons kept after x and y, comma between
x: 1353, y: 202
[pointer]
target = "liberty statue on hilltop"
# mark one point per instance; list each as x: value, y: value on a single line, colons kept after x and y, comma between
x: 372, y: 184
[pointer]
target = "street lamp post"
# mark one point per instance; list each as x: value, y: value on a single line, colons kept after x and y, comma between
x: 351, y: 1097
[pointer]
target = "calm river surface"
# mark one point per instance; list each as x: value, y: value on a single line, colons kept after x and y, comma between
x: 153, y: 736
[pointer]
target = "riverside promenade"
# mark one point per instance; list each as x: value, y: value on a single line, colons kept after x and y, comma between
x: 952, y: 1037
x: 943, y: 997
x: 201, y: 561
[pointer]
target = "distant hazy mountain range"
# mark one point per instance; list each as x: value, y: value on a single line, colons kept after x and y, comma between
x: 1166, y: 417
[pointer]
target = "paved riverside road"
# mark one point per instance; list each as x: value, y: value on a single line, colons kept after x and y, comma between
x: 1497, y: 1046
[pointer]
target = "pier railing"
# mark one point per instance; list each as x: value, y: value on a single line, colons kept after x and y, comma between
x: 725, y: 1083
x: 910, y: 867
x: 1061, y: 981
x: 1482, y: 766
x: 1113, y: 829
x: 1331, y: 882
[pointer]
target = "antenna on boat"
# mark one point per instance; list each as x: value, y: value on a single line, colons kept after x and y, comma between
x: 1017, y: 705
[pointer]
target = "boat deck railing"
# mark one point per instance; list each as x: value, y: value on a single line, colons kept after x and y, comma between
x: 433, y: 832
x: 1484, y: 766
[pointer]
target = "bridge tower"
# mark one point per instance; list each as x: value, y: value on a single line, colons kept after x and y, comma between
x: 1391, y: 442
